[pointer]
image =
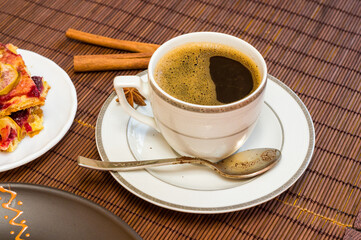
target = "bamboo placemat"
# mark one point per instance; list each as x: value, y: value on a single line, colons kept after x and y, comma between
x: 312, y: 46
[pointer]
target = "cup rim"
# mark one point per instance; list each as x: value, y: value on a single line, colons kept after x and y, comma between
x: 197, y: 107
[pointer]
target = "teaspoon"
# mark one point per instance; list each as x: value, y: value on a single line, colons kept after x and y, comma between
x: 246, y: 164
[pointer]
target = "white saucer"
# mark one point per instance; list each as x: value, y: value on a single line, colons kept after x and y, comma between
x: 284, y: 124
x: 59, y: 112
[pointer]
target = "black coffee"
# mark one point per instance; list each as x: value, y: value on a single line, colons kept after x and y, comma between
x: 207, y: 74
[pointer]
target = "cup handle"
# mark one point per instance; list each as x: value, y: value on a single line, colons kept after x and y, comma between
x: 121, y: 82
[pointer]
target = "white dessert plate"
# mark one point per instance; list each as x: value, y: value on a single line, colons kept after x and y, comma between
x: 284, y: 123
x: 59, y: 112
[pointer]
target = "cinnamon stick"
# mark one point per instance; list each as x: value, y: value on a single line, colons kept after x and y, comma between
x: 86, y: 63
x: 110, y: 42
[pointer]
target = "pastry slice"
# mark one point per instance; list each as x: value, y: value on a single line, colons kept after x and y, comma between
x: 23, y: 91
x: 20, y: 99
x: 15, y: 127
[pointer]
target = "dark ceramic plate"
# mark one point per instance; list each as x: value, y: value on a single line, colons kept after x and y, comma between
x: 54, y: 214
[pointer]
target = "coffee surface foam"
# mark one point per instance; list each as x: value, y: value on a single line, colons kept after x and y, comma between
x: 184, y: 71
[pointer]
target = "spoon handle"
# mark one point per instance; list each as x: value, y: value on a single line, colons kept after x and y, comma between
x: 133, y: 165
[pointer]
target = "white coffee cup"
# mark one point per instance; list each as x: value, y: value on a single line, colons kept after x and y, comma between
x: 209, y: 132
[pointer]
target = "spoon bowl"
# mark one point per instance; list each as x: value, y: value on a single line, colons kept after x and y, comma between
x: 242, y: 165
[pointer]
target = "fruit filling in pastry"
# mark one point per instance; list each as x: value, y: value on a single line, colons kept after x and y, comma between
x: 30, y: 120
x: 10, y: 134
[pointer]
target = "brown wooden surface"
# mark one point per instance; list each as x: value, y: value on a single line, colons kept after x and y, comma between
x: 312, y: 46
